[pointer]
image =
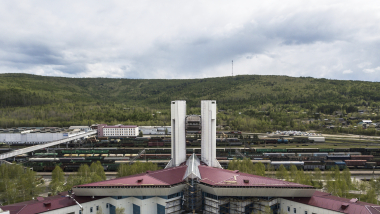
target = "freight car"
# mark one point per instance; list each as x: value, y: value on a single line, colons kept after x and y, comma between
x: 287, y: 164
x: 355, y: 162
x: 332, y: 164
x: 362, y: 157
x: 338, y: 157
x: 311, y: 165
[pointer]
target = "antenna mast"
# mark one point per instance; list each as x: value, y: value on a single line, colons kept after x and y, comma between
x: 232, y: 68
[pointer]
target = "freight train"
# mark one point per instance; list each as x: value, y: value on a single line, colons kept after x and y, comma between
x: 71, y: 159
x: 111, y: 163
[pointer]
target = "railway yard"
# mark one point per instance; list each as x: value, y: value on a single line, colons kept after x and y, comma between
x: 356, y: 153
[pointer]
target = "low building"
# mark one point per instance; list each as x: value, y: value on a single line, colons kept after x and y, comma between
x: 82, y: 128
x: 33, y: 135
x: 317, y: 139
x: 117, y: 130
x: 155, y: 130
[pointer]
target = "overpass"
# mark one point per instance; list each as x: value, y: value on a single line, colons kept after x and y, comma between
x: 45, y: 145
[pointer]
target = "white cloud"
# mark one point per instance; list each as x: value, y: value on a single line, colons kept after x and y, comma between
x: 371, y: 70
x: 190, y: 39
x: 348, y: 71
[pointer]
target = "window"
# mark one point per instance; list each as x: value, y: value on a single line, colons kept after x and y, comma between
x: 97, y: 208
x: 288, y: 209
x: 305, y: 212
x: 107, y: 205
x: 90, y: 209
x: 295, y: 210
x: 80, y: 211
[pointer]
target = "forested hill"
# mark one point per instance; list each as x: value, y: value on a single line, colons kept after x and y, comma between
x: 61, y: 101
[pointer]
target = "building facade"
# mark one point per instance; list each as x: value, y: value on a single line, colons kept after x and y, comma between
x: 118, y: 130
x: 156, y: 130
x: 36, y: 135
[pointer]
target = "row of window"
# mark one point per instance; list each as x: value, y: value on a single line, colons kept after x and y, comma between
x: 147, y: 197
x: 118, y: 134
x: 91, y: 209
x: 119, y: 129
x: 295, y: 210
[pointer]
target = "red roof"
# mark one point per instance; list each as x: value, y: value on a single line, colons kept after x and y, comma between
x: 121, y: 126
x: 344, y: 205
x: 47, y: 204
x: 223, y: 177
x: 163, y: 177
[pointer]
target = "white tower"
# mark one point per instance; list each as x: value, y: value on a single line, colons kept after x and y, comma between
x: 208, y: 148
x: 178, y: 116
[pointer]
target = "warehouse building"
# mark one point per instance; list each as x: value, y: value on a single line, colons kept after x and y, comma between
x: 36, y: 135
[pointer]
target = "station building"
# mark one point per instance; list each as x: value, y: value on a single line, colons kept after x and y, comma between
x: 193, y: 185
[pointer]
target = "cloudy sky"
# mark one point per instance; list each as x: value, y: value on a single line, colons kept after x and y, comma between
x: 191, y: 39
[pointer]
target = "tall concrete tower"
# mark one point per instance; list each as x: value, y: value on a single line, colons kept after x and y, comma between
x: 208, y: 148
x: 178, y: 116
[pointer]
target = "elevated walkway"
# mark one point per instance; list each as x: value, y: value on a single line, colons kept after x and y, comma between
x: 42, y: 146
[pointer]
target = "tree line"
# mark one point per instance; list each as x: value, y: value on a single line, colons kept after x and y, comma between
x: 332, y: 181
x: 18, y: 183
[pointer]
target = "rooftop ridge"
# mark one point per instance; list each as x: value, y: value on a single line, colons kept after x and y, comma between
x: 155, y: 172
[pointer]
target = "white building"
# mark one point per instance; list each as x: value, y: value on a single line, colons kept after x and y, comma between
x: 118, y: 130
x: 37, y: 136
x: 82, y: 128
x: 155, y: 130
x: 367, y: 121
x: 178, y: 138
x: 208, y: 146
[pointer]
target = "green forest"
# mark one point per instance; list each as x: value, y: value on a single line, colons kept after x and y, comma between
x: 248, y: 102
x: 19, y: 184
x: 332, y: 181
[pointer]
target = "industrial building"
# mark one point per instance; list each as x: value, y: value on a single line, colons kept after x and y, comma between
x: 193, y: 185
x: 117, y: 130
x: 36, y: 135
x: 155, y: 130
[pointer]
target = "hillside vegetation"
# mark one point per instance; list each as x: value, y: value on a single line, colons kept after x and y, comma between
x: 250, y: 102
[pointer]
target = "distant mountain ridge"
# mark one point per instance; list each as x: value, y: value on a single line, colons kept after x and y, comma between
x: 246, y: 93
x: 229, y: 91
